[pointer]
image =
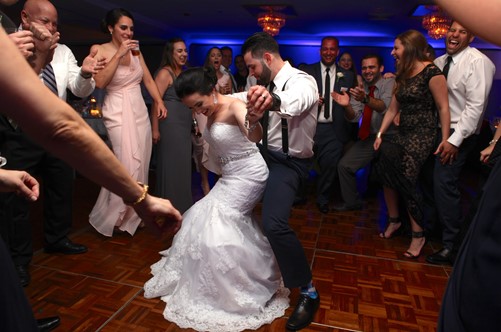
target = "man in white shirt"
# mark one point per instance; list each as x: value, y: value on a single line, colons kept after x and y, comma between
x: 469, y: 79
x: 290, y: 102
x: 24, y: 154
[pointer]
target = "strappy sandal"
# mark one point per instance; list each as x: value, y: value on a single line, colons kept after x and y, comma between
x: 392, y: 220
x: 415, y: 235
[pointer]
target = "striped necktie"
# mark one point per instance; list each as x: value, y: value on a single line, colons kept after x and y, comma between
x: 49, y: 78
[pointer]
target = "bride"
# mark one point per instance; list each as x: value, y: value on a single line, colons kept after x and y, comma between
x: 220, y: 273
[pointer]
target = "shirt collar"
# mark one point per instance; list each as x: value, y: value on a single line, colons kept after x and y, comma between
x: 457, y: 57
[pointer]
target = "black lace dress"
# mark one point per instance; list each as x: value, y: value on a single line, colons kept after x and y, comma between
x: 400, y: 160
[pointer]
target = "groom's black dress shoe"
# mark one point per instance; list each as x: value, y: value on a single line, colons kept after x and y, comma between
x: 443, y: 256
x: 65, y: 246
x: 48, y: 324
x: 23, y: 273
x: 304, y: 312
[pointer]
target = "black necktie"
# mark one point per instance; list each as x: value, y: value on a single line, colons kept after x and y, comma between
x: 327, y: 93
x: 49, y: 78
x: 264, y: 120
x: 447, y: 66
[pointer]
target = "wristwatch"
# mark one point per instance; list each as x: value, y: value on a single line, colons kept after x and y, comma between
x: 276, y: 103
x: 366, y: 99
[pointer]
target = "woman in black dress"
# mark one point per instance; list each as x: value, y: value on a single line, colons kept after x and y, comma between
x: 420, y: 95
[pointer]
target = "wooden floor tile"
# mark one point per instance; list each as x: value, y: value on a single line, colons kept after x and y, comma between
x: 364, y: 282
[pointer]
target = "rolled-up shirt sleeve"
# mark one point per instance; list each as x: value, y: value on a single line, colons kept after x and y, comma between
x: 301, y: 94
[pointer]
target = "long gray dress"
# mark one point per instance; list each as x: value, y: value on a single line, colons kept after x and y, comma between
x: 173, y: 171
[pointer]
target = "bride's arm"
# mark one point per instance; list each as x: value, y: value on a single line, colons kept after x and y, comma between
x: 248, y: 122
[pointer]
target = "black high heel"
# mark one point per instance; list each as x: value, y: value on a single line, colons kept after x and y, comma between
x: 392, y: 220
x: 415, y: 235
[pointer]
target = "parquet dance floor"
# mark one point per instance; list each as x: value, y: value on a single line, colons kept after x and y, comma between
x: 364, y: 281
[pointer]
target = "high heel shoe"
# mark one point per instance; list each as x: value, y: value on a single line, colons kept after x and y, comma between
x: 392, y: 220
x: 416, y: 235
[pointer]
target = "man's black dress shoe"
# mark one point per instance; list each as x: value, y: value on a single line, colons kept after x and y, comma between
x: 65, y: 246
x: 304, y: 313
x: 48, y: 324
x: 348, y: 207
x: 324, y: 208
x: 24, y: 274
x: 443, y: 256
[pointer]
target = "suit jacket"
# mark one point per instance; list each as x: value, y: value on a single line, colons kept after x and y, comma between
x: 342, y: 127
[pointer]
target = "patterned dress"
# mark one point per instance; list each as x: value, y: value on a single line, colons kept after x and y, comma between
x: 400, y: 160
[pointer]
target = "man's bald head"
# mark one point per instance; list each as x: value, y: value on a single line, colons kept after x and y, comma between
x: 39, y: 11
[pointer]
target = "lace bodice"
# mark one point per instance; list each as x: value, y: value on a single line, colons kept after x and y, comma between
x: 227, y: 142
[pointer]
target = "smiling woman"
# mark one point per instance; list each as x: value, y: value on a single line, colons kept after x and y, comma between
x: 214, y: 287
x: 172, y: 135
x: 125, y: 116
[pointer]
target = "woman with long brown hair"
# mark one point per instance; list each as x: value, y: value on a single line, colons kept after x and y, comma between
x: 172, y: 135
x: 421, y: 97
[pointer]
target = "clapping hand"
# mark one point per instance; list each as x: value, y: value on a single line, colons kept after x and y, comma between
x: 358, y: 93
x: 24, y: 42
x: 91, y: 65
x: 343, y: 98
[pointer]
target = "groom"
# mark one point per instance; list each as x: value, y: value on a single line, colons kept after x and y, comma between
x: 288, y: 108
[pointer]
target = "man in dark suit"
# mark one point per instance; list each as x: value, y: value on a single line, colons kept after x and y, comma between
x: 333, y: 130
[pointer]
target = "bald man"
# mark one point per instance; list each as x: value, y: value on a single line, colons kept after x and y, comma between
x: 24, y: 154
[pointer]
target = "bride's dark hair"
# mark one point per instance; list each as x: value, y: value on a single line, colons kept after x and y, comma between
x: 193, y: 80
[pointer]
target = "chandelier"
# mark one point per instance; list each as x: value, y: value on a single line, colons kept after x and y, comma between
x: 436, y: 22
x: 271, y: 21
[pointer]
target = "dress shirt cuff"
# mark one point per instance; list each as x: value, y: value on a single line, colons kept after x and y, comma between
x: 456, y: 138
x: 85, y: 76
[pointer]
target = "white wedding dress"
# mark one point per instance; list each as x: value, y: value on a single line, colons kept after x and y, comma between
x: 220, y: 273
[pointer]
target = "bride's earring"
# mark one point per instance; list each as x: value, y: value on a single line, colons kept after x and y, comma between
x: 215, y: 99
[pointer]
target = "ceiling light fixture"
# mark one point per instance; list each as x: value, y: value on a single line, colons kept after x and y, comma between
x: 436, y: 22
x: 271, y: 20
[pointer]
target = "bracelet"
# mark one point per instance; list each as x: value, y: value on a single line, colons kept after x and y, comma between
x: 378, y: 135
x: 494, y: 141
x: 86, y: 76
x: 142, y: 197
x: 250, y: 127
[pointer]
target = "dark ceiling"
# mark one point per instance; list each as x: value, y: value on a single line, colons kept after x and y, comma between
x: 355, y: 22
